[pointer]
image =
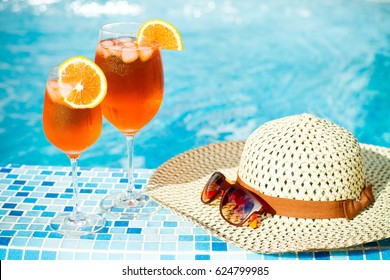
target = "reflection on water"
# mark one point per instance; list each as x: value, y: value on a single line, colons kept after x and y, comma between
x: 243, y: 64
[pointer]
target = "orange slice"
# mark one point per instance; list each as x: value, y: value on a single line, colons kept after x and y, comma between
x: 159, y: 33
x: 81, y: 82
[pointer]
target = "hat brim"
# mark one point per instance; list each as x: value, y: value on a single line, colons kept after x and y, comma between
x: 177, y: 185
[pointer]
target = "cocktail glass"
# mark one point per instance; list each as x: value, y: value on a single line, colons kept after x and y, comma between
x: 135, y: 81
x: 72, y: 131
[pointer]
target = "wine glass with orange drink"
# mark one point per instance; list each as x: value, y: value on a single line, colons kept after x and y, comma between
x: 130, y: 56
x: 72, y: 121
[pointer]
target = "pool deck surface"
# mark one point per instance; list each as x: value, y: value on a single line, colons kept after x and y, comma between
x: 31, y: 195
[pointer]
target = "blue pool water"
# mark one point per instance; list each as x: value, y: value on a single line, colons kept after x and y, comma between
x: 243, y: 64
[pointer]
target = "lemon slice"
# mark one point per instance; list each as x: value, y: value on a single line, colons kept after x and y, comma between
x: 81, y: 82
x: 159, y: 33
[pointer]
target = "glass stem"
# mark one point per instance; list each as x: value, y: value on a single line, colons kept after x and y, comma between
x: 130, y: 171
x: 76, y: 210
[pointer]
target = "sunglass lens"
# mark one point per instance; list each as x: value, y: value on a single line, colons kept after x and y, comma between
x: 236, y: 205
x: 213, y: 187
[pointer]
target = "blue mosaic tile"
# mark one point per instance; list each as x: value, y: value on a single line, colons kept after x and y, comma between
x: 134, y: 230
x: 49, y: 255
x: 105, y: 229
x: 15, y: 254
x: 271, y: 256
x: 9, y: 205
x: 47, y: 183
x: 305, y: 256
x: 385, y: 254
x: 219, y: 246
x: 168, y: 246
x: 288, y: 256
x: 167, y: 257
x: 19, y: 242
x: 322, y: 255
x: 48, y: 214
x: 51, y: 195
x: 152, y: 246
x: 31, y: 255
x: 40, y: 234
x: 4, y: 241
x: 3, y: 253
x: 30, y: 200
x: 7, y: 232
x: 55, y: 235
x: 134, y: 246
x: 202, y: 238
x: 355, y: 255
x: 101, y: 245
x: 85, y: 191
x: 372, y: 255
x: 163, y: 231
x: 5, y: 170
x: 118, y: 175
x: 16, y: 213
x: 19, y: 182
x: 121, y: 223
x: 170, y: 224
x: 202, y: 257
x: 20, y: 226
x: 102, y: 236
x: 186, y: 237
x: 202, y: 246
x: 39, y: 207
x: 24, y: 194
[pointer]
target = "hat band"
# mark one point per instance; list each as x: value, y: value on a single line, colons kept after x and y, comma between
x: 316, y: 209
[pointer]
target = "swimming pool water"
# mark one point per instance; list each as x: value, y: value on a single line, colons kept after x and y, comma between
x: 243, y: 64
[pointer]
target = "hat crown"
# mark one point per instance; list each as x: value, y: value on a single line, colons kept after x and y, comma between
x: 303, y: 157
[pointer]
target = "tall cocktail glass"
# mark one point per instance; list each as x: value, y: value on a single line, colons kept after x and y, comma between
x: 135, y: 80
x: 72, y: 131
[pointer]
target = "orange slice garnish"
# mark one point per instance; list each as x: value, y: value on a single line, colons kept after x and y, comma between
x: 81, y: 82
x: 159, y: 33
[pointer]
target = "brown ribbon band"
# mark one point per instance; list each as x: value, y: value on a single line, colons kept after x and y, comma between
x: 316, y: 209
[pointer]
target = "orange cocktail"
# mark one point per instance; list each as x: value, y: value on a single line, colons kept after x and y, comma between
x: 72, y: 121
x: 129, y: 55
x: 135, y: 80
x: 70, y: 130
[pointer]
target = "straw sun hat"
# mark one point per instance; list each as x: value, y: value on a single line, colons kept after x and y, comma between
x: 315, y: 175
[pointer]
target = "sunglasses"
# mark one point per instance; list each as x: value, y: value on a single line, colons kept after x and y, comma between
x: 238, y: 204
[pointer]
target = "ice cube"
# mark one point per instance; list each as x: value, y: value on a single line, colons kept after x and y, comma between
x: 101, y: 51
x: 106, y: 43
x: 129, y: 55
x: 115, y: 51
x: 52, y: 90
x: 125, y: 40
x: 145, y: 53
x: 65, y: 89
x: 129, y: 45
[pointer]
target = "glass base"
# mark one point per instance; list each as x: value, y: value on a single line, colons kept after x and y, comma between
x: 77, y: 225
x: 129, y: 205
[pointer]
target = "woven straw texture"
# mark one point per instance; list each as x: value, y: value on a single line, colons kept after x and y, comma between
x: 177, y: 185
x: 303, y: 157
